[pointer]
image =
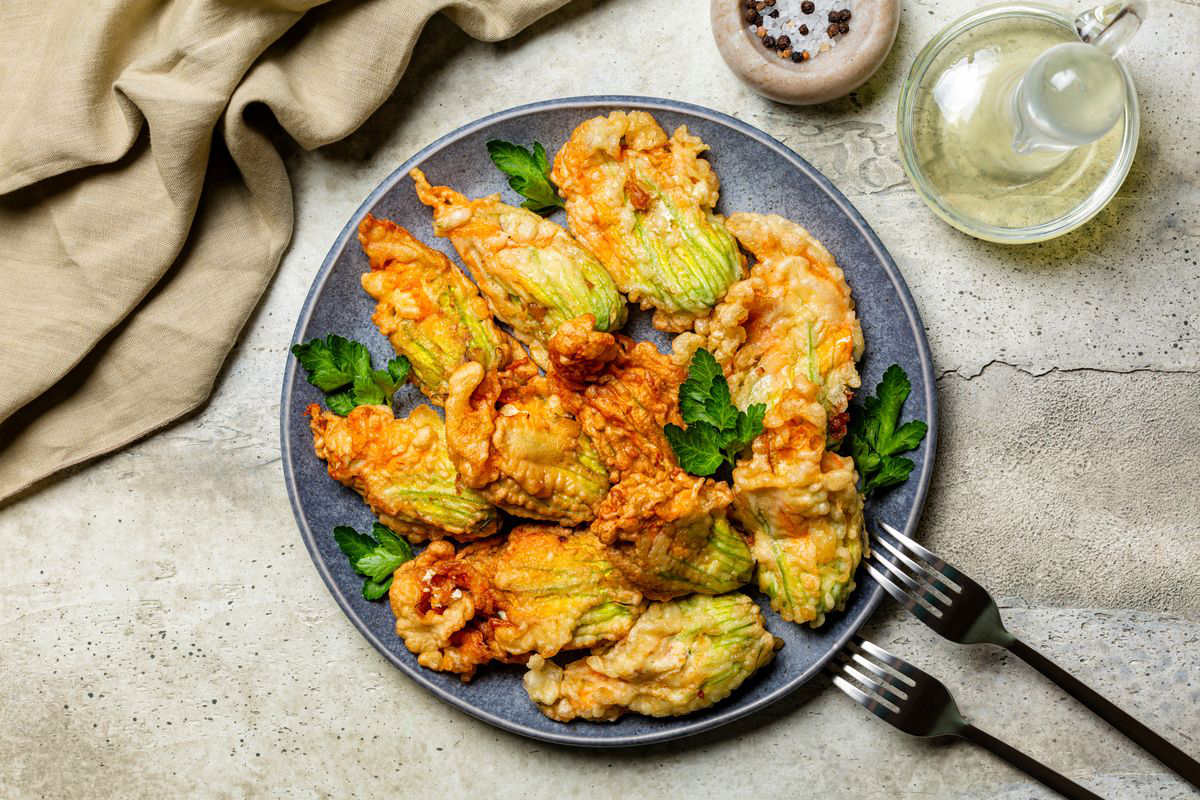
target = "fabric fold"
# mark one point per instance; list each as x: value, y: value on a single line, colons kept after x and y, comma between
x: 143, y: 205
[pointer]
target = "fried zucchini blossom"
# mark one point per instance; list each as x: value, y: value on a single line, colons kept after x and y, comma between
x: 522, y: 448
x: 791, y: 321
x: 402, y: 468
x: 533, y: 273
x: 430, y: 311
x: 643, y: 203
x: 541, y: 590
x: 801, y: 505
x: 679, y: 657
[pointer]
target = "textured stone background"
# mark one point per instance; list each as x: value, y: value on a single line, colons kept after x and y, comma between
x: 163, y: 633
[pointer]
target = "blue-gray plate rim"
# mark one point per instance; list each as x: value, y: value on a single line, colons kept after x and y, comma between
x: 904, y: 512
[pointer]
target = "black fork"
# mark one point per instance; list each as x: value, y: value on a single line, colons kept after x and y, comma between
x: 961, y: 610
x: 918, y: 704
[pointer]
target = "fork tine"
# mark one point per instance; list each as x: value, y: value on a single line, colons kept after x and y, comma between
x: 869, y: 702
x: 935, y: 561
x: 921, y: 572
x: 918, y: 609
x: 863, y: 657
x: 882, y: 681
x: 923, y: 564
x: 896, y: 663
x: 920, y: 584
x: 874, y: 689
x: 881, y: 689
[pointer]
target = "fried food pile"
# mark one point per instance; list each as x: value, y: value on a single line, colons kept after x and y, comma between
x: 563, y: 533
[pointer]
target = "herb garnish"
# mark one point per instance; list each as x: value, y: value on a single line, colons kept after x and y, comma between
x: 716, y: 430
x: 376, y: 558
x: 528, y: 174
x: 334, y: 363
x: 874, y: 439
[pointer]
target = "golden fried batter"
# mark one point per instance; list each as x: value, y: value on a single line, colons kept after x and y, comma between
x: 542, y: 590
x: 802, y: 508
x: 402, y: 469
x: 533, y: 273
x: 522, y: 448
x: 430, y: 311
x: 622, y: 392
x: 667, y: 530
x: 669, y: 534
x: 445, y: 609
x: 679, y: 657
x: 643, y: 203
x: 792, y: 320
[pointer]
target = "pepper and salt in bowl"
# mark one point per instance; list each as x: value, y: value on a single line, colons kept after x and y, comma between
x: 803, y: 52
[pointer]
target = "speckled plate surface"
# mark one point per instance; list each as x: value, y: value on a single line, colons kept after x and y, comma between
x: 757, y: 174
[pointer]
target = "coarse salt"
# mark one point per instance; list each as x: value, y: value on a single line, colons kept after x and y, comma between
x: 790, y: 18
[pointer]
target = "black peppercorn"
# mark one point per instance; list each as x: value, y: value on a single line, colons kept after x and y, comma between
x: 804, y: 30
x: 798, y: 55
x: 834, y: 16
x: 843, y: 27
x: 774, y: 14
x: 769, y: 42
x: 845, y: 15
x: 751, y: 16
x: 783, y: 43
x: 808, y: 7
x: 832, y: 30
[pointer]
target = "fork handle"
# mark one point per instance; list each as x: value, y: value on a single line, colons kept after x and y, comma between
x: 1030, y: 766
x: 1155, y: 745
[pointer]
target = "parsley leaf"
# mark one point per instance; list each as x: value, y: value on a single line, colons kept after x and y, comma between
x: 874, y: 439
x: 377, y: 557
x: 333, y: 363
x: 716, y: 431
x: 696, y: 448
x: 528, y: 174
x: 340, y: 403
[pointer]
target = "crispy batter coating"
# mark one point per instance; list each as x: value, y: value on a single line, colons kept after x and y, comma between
x: 445, y: 608
x: 533, y: 273
x: 679, y: 657
x: 801, y: 505
x: 522, y: 448
x: 622, y: 392
x: 643, y: 203
x: 541, y: 590
x: 402, y: 469
x: 788, y: 336
x: 792, y: 320
x: 667, y: 530
x: 430, y: 311
x: 669, y: 534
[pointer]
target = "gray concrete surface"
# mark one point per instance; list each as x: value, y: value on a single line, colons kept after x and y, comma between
x: 163, y: 633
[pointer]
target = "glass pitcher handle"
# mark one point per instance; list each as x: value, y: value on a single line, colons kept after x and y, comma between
x: 1111, y: 26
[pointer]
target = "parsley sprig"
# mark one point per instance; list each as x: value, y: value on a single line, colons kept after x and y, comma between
x: 528, y: 174
x: 375, y: 557
x: 874, y: 439
x: 716, y: 430
x: 342, y: 369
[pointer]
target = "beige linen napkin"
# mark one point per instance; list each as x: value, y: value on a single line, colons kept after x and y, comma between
x: 143, y: 207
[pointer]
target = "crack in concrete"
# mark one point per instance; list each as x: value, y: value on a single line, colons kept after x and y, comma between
x: 967, y: 376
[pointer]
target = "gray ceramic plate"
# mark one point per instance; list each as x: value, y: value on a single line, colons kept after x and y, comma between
x: 757, y: 174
